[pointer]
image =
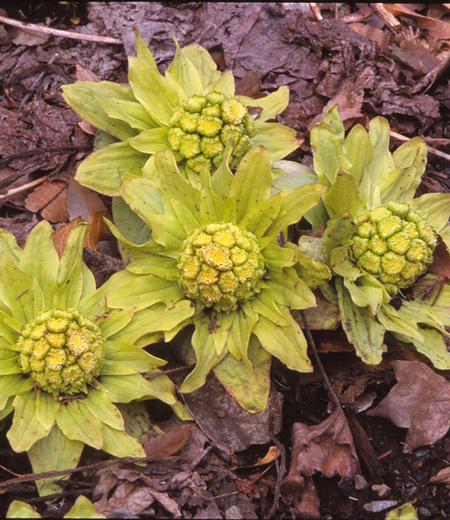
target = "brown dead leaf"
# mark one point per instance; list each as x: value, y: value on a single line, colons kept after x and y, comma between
x: 128, y: 497
x: 93, y: 237
x: 420, y: 401
x: 86, y: 74
x: 438, y: 29
x: 373, y: 33
x: 82, y: 201
x: 441, y: 477
x: 168, y: 443
x: 50, y: 200
x: 327, y: 447
x: 441, y: 260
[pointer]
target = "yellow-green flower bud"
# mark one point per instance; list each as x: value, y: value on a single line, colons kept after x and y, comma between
x: 393, y: 243
x: 221, y: 265
x: 174, y: 136
x: 212, y: 111
x: 209, y: 126
x: 215, y: 98
x: 195, y: 103
x: 189, y: 122
x: 211, y: 146
x: 62, y: 351
x: 233, y: 111
x: 198, y: 162
x: 190, y: 145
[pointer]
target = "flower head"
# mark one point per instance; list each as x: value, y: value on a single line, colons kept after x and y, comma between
x: 66, y: 357
x: 215, y: 250
x: 379, y: 240
x: 192, y: 109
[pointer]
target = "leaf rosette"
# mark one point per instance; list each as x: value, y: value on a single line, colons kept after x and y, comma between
x: 191, y: 109
x: 379, y: 240
x: 67, y: 362
x: 214, y: 262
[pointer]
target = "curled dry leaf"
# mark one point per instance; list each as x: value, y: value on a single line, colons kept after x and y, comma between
x: 420, y: 401
x: 169, y: 443
x: 326, y: 447
x: 438, y: 29
x: 441, y: 477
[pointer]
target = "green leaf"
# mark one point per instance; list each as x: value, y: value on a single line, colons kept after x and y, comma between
x: 123, y: 389
x: 289, y: 290
x: 169, y: 232
x: 203, y: 62
x: 433, y: 347
x: 72, y: 253
x: 285, y: 343
x: 10, y: 366
x: 172, y: 186
x: 365, y: 295
x: 19, y: 509
x: 239, y: 336
x: 313, y: 272
x: 338, y: 228
x: 129, y: 111
x: 224, y: 84
x: 249, y: 385
x: 14, y: 384
x: 252, y: 181
x: 400, y: 184
x: 212, y: 207
x: 142, y: 50
x: 435, y: 207
x: 277, y: 257
x: 120, y: 444
x: 16, y: 290
x: 271, y: 105
x: 259, y: 219
x: 206, y: 354
x: 54, y: 453
x: 264, y: 304
x: 404, y: 512
x: 101, y: 407
x: 157, y: 318
x: 78, y: 423
x: 40, y: 260
x: 144, y: 291
x: 132, y: 356
x: 183, y: 72
x: 153, y: 90
x: 342, y: 264
x: 103, y: 170
x: 8, y: 245
x: 394, y: 322
x: 162, y: 388
x: 365, y: 333
x: 222, y: 178
x: 25, y: 429
x: 47, y: 407
x: 279, y: 140
x: 359, y: 151
x: 293, y: 206
x: 343, y: 196
x: 83, y: 508
x: 150, y: 141
x: 142, y: 196
x: 128, y: 223
x: 327, y: 148
x: 81, y: 96
x: 160, y: 266
x: 117, y: 319
x: 137, y: 420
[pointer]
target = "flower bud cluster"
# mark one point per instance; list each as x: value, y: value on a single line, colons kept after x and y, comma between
x: 201, y: 126
x: 393, y: 243
x: 221, y: 265
x: 62, y: 350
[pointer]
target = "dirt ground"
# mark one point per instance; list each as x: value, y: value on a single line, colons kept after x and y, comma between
x: 228, y: 464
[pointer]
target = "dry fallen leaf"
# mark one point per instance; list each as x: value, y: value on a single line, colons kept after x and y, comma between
x: 326, y: 447
x: 168, y: 443
x: 441, y: 477
x: 50, y: 199
x: 441, y: 260
x: 438, y: 29
x: 82, y: 201
x: 420, y: 401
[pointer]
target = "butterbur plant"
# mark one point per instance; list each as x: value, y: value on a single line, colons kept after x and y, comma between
x: 192, y: 109
x: 214, y: 262
x: 65, y: 358
x: 379, y: 240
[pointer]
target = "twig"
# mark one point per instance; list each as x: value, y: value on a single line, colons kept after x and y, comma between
x: 359, y: 16
x: 401, y: 137
x: 19, y: 155
x: 388, y: 18
x: 281, y: 469
x: 36, y: 82
x: 58, y: 32
x: 312, y: 344
x: 316, y: 11
x: 24, y: 187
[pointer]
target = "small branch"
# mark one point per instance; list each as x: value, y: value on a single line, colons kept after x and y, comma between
x: 36, y: 82
x: 24, y: 187
x: 58, y: 149
x: 388, y: 18
x: 316, y: 11
x: 58, y: 32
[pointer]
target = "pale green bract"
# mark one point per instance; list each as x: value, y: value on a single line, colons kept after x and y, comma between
x: 214, y: 262
x: 379, y: 239
x: 192, y: 109
x: 69, y: 364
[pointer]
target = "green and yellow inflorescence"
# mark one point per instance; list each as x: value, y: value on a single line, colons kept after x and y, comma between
x: 201, y: 126
x: 221, y: 265
x: 393, y: 243
x: 62, y: 350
